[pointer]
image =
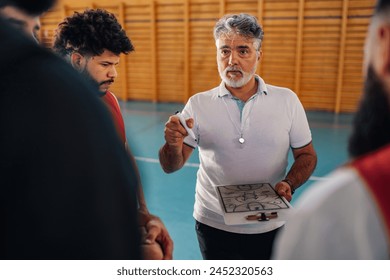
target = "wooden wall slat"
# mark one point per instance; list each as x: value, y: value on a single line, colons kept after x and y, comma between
x: 314, y: 47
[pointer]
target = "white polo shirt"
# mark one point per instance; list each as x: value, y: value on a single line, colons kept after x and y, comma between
x: 272, y: 121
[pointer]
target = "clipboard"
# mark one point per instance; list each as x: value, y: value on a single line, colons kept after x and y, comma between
x: 252, y: 203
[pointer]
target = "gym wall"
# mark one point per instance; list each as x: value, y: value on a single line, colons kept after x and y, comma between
x: 314, y: 47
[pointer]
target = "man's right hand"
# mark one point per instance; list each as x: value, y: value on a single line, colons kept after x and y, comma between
x: 174, y: 132
x: 174, y: 154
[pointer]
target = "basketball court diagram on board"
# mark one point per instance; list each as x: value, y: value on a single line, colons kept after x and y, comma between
x: 239, y: 200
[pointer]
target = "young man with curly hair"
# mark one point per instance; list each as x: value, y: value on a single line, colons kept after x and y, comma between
x: 92, y: 42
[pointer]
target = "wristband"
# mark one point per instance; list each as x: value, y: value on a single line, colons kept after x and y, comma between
x: 290, y: 184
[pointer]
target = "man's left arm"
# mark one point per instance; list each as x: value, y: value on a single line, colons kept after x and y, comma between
x: 155, y: 228
x: 305, y: 161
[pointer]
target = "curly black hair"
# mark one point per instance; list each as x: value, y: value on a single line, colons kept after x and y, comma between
x: 90, y: 33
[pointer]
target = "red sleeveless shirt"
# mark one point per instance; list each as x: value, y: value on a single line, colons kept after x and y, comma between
x: 112, y: 103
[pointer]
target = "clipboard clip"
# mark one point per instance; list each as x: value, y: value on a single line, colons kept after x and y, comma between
x: 262, y: 216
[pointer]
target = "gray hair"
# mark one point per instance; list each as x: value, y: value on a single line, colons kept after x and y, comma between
x: 243, y: 24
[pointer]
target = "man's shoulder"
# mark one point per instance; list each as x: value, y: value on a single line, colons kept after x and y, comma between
x: 282, y: 94
x: 111, y: 95
x: 110, y: 98
x: 329, y: 188
x: 373, y: 168
x: 208, y: 94
x: 274, y: 89
x: 377, y: 159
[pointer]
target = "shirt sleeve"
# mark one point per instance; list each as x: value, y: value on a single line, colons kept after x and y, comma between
x: 300, y: 134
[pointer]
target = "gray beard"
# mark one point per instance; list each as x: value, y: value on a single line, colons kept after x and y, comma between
x: 241, y: 82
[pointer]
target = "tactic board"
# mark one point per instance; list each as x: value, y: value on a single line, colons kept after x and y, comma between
x: 239, y: 201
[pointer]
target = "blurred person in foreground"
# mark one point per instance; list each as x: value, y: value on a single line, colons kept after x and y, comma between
x: 245, y: 129
x: 348, y: 216
x: 67, y: 191
x: 92, y: 41
x: 26, y: 20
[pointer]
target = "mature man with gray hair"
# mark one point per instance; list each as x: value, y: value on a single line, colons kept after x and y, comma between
x: 244, y: 129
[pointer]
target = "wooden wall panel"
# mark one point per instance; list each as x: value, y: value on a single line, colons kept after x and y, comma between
x: 314, y: 47
x: 203, y: 67
x: 140, y: 64
x: 359, y: 14
x: 321, y: 38
x: 170, y: 61
x: 280, y: 24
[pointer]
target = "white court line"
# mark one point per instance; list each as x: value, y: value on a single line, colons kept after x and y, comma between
x: 196, y: 165
x: 315, y: 178
x: 153, y: 160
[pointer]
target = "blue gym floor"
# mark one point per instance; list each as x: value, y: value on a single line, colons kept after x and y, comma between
x: 171, y: 196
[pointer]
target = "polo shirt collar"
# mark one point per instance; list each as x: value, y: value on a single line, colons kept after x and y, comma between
x: 261, y: 88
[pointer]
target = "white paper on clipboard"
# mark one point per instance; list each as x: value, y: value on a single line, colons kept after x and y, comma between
x: 239, y: 201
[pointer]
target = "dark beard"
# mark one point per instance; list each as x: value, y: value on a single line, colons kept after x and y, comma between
x: 371, y: 126
x: 93, y: 82
x: 90, y: 80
